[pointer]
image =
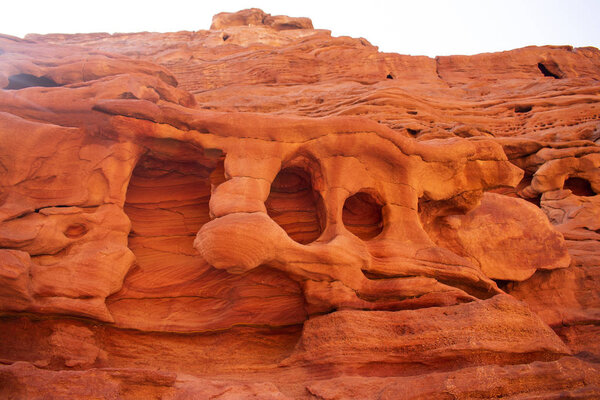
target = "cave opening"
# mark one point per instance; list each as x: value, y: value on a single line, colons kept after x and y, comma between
x: 362, y: 216
x: 294, y: 205
x: 546, y: 70
x: 579, y: 186
x: 172, y: 287
x: 167, y: 202
x: 22, y: 81
x: 389, y: 76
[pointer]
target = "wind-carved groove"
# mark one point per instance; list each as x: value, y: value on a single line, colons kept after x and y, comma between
x: 293, y: 205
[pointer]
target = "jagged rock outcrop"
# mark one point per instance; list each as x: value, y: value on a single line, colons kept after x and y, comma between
x: 263, y: 210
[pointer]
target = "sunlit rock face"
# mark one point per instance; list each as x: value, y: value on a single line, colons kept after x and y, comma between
x: 261, y: 210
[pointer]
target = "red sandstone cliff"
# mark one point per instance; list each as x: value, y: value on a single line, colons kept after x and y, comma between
x: 262, y: 210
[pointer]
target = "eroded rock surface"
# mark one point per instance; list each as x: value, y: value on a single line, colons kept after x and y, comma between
x: 261, y: 210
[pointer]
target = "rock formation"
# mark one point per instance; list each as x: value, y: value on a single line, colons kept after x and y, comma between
x: 261, y: 210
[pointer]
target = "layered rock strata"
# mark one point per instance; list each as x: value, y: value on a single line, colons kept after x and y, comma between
x: 261, y: 210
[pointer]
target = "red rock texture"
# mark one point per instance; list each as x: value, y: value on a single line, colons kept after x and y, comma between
x: 261, y: 210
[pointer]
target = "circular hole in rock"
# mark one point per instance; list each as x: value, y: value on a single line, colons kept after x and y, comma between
x: 75, y: 231
x: 362, y: 216
x: 292, y: 204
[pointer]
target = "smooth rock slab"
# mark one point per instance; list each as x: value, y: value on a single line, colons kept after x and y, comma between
x: 500, y: 330
x: 539, y: 380
x: 509, y: 238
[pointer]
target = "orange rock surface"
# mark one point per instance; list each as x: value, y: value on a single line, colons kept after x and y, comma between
x: 261, y: 210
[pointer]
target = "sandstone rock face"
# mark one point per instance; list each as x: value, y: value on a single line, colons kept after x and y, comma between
x: 261, y: 210
x: 509, y: 238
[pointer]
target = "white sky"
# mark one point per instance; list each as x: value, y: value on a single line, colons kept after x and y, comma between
x: 417, y: 27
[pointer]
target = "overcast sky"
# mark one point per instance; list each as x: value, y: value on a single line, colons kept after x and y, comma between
x: 417, y: 27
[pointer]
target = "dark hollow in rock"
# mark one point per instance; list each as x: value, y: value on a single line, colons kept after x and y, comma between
x: 292, y: 204
x: 75, y: 231
x: 362, y: 216
x: 579, y: 187
x: 549, y: 69
x: 523, y: 109
x: 22, y: 81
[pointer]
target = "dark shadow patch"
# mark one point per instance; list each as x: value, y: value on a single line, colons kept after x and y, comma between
x: 128, y: 95
x: 550, y: 69
x: 579, y: 187
x: 22, y: 81
x: 504, y: 285
x: 523, y: 109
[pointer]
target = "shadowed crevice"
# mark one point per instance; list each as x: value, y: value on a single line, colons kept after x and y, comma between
x: 22, y: 81
x: 550, y: 69
x: 579, y: 186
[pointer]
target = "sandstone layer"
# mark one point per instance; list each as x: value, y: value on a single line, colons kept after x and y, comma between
x: 262, y: 210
